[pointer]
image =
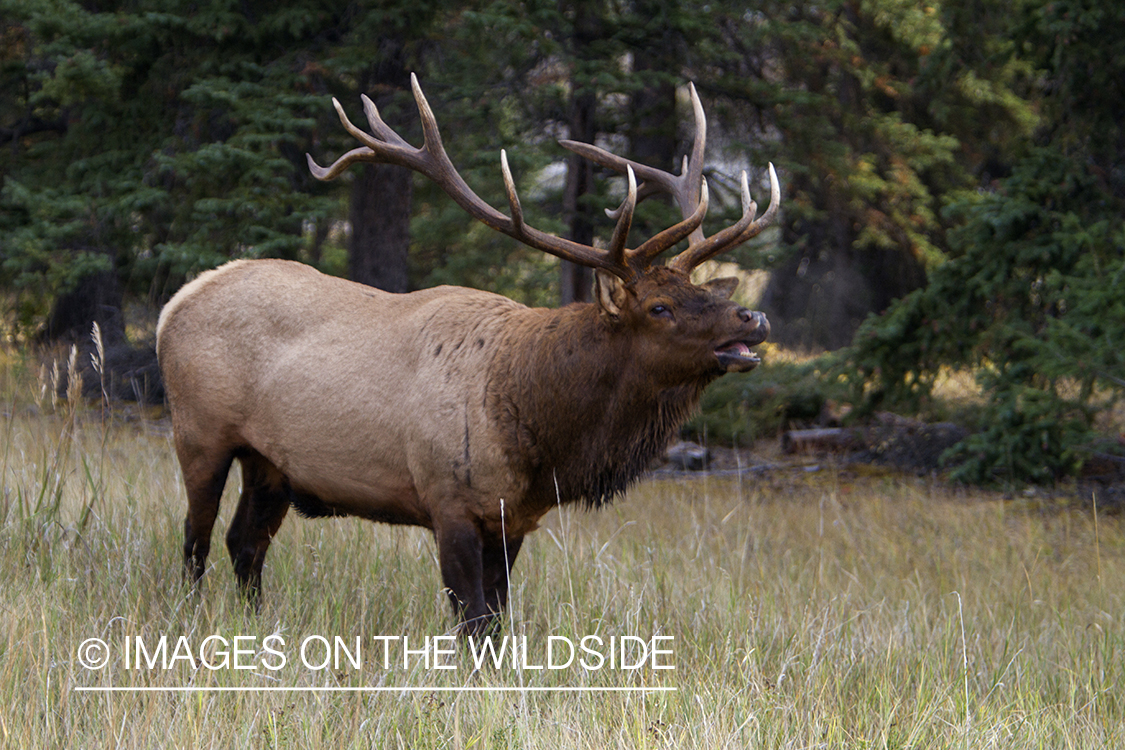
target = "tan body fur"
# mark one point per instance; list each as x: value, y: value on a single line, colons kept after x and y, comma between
x: 425, y: 408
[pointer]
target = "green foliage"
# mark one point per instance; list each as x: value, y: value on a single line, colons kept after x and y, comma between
x: 874, y: 133
x: 1032, y: 296
x: 1027, y: 434
x: 1033, y: 303
x: 777, y: 396
x: 157, y: 141
x: 240, y: 195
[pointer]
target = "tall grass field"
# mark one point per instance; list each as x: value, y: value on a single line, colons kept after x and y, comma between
x: 794, y: 609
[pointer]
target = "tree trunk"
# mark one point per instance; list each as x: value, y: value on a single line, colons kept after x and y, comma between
x: 576, y: 282
x: 96, y: 298
x: 380, y: 218
x: 652, y: 107
x: 382, y: 195
x: 653, y: 131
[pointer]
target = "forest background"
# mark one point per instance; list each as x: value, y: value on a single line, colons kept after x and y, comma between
x: 953, y: 179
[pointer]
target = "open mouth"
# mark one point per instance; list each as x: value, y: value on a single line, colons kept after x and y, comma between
x: 737, y: 357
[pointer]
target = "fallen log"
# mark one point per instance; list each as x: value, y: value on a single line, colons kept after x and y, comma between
x: 820, y: 440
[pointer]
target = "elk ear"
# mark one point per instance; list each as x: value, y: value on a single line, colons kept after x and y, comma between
x: 723, y: 287
x: 610, y: 292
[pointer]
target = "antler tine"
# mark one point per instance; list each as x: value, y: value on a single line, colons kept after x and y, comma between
x: 431, y: 137
x: 616, y: 251
x: 644, y: 190
x: 697, y: 252
x: 378, y: 127
x: 771, y: 211
x: 513, y: 197
x: 365, y: 138
x: 655, y: 180
x: 692, y: 171
x: 734, y: 235
x: 336, y: 168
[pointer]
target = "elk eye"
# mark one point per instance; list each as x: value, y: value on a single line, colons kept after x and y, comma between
x: 660, y: 311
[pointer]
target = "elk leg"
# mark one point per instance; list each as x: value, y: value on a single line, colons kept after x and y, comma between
x: 204, y: 478
x: 498, y: 563
x: 459, y: 552
x: 261, y: 509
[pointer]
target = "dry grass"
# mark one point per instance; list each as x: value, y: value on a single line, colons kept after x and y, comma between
x: 807, y: 610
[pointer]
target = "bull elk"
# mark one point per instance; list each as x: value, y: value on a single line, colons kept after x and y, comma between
x: 453, y: 409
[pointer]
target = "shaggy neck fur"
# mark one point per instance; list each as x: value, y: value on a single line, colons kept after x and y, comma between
x: 579, y: 414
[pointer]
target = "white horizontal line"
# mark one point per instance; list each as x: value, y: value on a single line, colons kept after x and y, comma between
x: 371, y: 689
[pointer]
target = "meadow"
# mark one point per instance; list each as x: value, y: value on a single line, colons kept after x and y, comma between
x: 799, y: 608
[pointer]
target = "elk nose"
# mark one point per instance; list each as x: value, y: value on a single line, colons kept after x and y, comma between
x: 758, y: 322
x: 752, y: 316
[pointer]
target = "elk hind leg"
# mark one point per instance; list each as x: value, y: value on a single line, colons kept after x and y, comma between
x: 205, y: 475
x: 261, y: 509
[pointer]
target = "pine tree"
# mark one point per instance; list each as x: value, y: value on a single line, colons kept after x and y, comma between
x: 846, y: 96
x: 1031, y: 297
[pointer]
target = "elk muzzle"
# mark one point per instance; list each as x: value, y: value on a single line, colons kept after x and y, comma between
x: 735, y: 355
x: 757, y: 320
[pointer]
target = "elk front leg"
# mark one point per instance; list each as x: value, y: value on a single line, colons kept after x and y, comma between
x: 498, y: 563
x: 460, y: 554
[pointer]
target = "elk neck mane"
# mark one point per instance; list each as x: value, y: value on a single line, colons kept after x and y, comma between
x: 577, y: 412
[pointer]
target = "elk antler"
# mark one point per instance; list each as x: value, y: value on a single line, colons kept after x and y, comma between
x: 383, y: 145
x: 684, y: 189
